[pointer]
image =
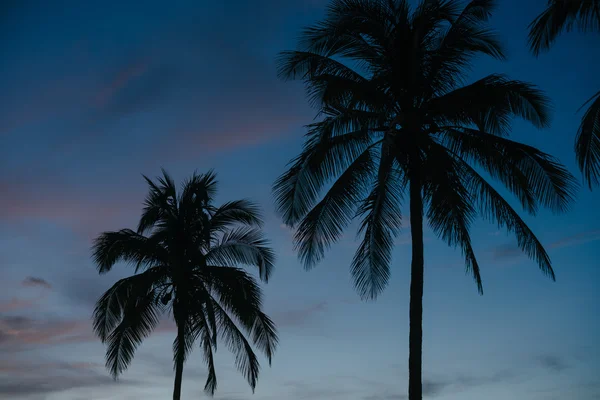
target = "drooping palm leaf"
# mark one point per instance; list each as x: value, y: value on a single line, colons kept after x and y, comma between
x: 140, y: 316
x: 587, y: 143
x: 561, y: 15
x: 381, y: 222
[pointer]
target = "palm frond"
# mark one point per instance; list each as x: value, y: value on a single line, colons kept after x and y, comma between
x: 235, y: 289
x: 370, y: 266
x: 211, y: 379
x: 532, y: 175
x: 450, y: 212
x: 331, y: 90
x: 297, y: 189
x: 561, y: 15
x: 264, y: 335
x: 239, y: 295
x: 191, y: 331
x: 353, y: 28
x: 430, y: 16
x: 204, y: 327
x: 140, y: 316
x: 245, y: 359
x: 450, y: 52
x: 490, y: 103
x: 199, y: 190
x: 128, y: 246
x: 246, y: 246
x: 160, y: 202
x: 496, y: 209
x: 110, y: 307
x: 293, y: 65
x: 323, y: 225
x: 587, y: 143
x: 237, y: 212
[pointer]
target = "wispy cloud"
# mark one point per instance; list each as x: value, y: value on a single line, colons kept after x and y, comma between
x: 123, y: 77
x: 315, y: 390
x: 299, y: 316
x: 85, y: 210
x: 32, y: 281
x: 552, y: 362
x: 20, y: 332
x: 511, y: 250
x: 583, y: 237
x: 21, y: 378
x: 19, y: 303
x: 386, y: 396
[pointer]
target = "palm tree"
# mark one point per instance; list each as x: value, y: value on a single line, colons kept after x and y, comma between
x: 565, y: 15
x: 185, y: 253
x: 396, y: 118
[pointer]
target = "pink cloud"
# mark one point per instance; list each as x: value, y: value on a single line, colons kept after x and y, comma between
x: 19, y: 304
x: 299, y: 316
x: 511, y: 250
x: 120, y: 80
x: 16, y: 304
x: 249, y: 128
x: 85, y: 212
x: 583, y: 237
x: 22, y: 333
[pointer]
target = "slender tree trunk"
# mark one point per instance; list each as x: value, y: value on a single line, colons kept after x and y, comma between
x: 415, y: 354
x: 179, y: 361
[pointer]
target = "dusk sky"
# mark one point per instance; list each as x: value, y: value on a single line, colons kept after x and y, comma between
x: 94, y: 94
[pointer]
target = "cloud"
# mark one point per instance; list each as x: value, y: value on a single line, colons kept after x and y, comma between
x: 120, y: 80
x: 19, y: 303
x: 16, y: 304
x: 20, y: 332
x: 445, y: 385
x: 386, y: 396
x: 315, y: 390
x: 139, y: 85
x: 32, y: 281
x: 85, y: 210
x: 433, y: 388
x: 25, y: 378
x: 511, y: 250
x: 583, y: 237
x: 552, y: 362
x: 299, y: 316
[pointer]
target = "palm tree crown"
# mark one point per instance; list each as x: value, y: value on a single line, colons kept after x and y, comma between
x: 389, y: 84
x: 396, y: 116
x: 186, y: 254
x: 561, y: 15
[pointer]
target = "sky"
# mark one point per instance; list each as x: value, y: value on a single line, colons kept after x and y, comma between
x: 95, y: 94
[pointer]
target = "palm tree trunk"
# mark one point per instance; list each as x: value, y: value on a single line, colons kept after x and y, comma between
x: 415, y: 352
x: 179, y: 361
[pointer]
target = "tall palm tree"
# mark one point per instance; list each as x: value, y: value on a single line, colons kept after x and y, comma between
x: 185, y: 253
x: 396, y: 118
x: 561, y: 15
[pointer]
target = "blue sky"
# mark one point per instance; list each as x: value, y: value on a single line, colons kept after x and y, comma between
x: 96, y: 93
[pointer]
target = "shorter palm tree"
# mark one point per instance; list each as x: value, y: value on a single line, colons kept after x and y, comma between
x: 561, y: 15
x: 185, y: 252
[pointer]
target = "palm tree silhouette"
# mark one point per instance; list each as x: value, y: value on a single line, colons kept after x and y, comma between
x: 561, y: 15
x: 185, y: 253
x: 396, y: 117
